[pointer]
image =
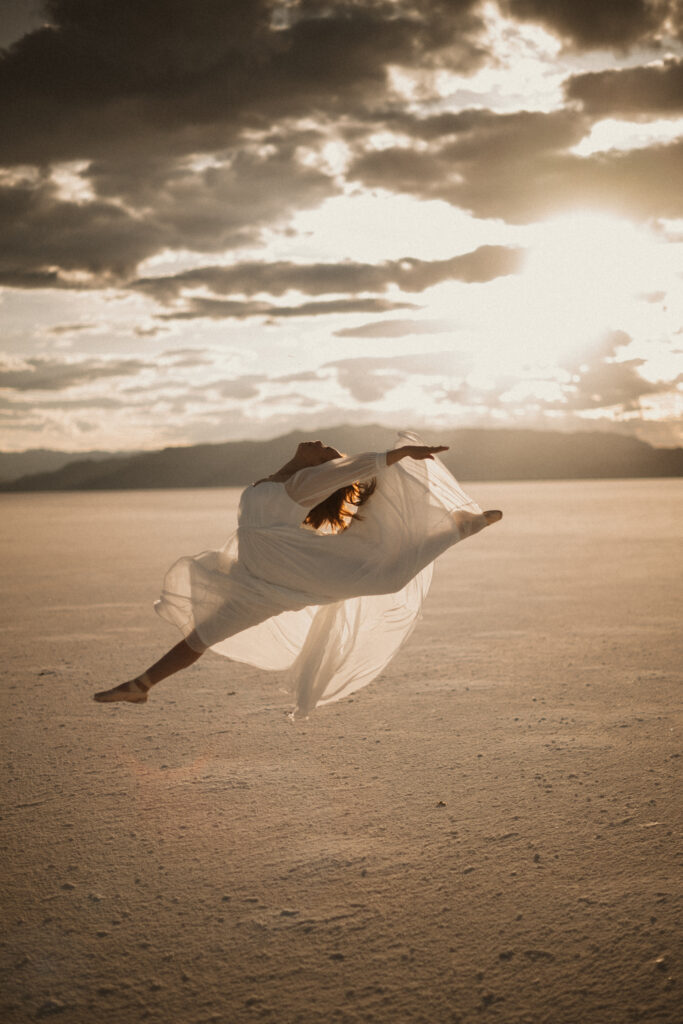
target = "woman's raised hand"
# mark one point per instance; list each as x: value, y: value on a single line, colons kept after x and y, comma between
x: 415, y: 451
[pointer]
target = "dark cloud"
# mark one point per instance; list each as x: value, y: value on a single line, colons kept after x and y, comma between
x: 139, y: 89
x: 516, y: 167
x: 224, y: 309
x: 71, y: 328
x: 36, y: 279
x: 18, y: 18
x: 43, y: 235
x: 221, y: 206
x: 395, y: 328
x: 656, y: 90
x: 411, y: 275
x: 148, y: 332
x: 477, y: 134
x: 44, y: 374
x: 95, y: 402
x: 46, y: 238
x: 588, y: 24
x: 479, y: 160
x: 146, y: 76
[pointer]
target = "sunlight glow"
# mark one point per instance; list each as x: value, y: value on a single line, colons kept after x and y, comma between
x: 70, y: 183
x: 624, y: 135
x: 581, y: 278
x: 584, y: 275
x: 381, y: 225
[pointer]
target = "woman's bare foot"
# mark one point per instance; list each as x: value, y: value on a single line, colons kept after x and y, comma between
x: 493, y: 516
x: 134, y: 691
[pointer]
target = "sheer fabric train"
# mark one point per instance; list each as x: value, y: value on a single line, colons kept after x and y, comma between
x: 329, y: 609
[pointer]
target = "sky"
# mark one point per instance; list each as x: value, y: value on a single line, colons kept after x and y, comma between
x: 228, y: 220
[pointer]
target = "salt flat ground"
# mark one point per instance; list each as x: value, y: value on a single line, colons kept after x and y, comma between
x: 486, y: 833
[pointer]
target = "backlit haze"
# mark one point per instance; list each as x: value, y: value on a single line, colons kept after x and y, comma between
x: 226, y: 220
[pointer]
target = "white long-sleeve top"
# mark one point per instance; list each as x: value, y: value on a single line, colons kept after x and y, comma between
x: 312, y: 485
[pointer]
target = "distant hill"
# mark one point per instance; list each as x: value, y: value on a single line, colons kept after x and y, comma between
x: 474, y: 455
x: 43, y: 460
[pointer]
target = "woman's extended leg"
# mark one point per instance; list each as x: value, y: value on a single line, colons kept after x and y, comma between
x: 135, y: 690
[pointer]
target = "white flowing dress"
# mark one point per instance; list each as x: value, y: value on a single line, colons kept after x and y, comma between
x: 329, y: 608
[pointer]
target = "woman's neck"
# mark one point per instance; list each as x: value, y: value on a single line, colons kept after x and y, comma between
x: 284, y: 473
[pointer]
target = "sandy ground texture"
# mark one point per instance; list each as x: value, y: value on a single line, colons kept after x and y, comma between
x: 486, y: 833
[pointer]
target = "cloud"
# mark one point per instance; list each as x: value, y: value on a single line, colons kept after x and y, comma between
x: 44, y: 236
x: 223, y: 309
x: 94, y: 402
x: 220, y: 206
x: 35, y: 279
x: 478, y: 133
x: 369, y: 386
x: 596, y: 379
x: 411, y: 275
x: 240, y: 388
x: 43, y: 374
x: 185, y: 358
x: 395, y: 329
x: 139, y: 136
x: 148, y: 332
x: 655, y: 89
x: 295, y: 378
x: 195, y: 128
x: 611, y: 383
x: 600, y: 379
x: 18, y: 18
x: 517, y: 167
x: 589, y: 25
x: 369, y: 378
x: 184, y: 78
x: 291, y: 397
x: 597, y: 350
x: 59, y: 329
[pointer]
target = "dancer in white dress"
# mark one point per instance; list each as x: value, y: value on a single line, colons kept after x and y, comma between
x: 307, y: 584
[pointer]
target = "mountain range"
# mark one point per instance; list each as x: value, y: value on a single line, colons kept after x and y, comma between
x: 474, y: 454
x: 42, y: 460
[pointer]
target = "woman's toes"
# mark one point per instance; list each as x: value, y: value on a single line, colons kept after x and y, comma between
x: 130, y: 691
x: 493, y: 516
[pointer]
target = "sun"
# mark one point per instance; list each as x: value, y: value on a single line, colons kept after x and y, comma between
x: 582, y: 276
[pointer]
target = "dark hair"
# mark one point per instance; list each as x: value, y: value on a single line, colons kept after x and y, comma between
x: 335, y: 510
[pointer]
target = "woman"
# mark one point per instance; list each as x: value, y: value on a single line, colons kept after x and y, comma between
x: 331, y: 602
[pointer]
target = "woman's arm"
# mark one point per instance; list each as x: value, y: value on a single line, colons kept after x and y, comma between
x: 312, y: 485
x: 414, y: 451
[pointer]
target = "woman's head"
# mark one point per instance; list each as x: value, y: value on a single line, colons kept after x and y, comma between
x: 314, y: 453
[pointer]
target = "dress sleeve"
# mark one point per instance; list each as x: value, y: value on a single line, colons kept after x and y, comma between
x: 312, y: 485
